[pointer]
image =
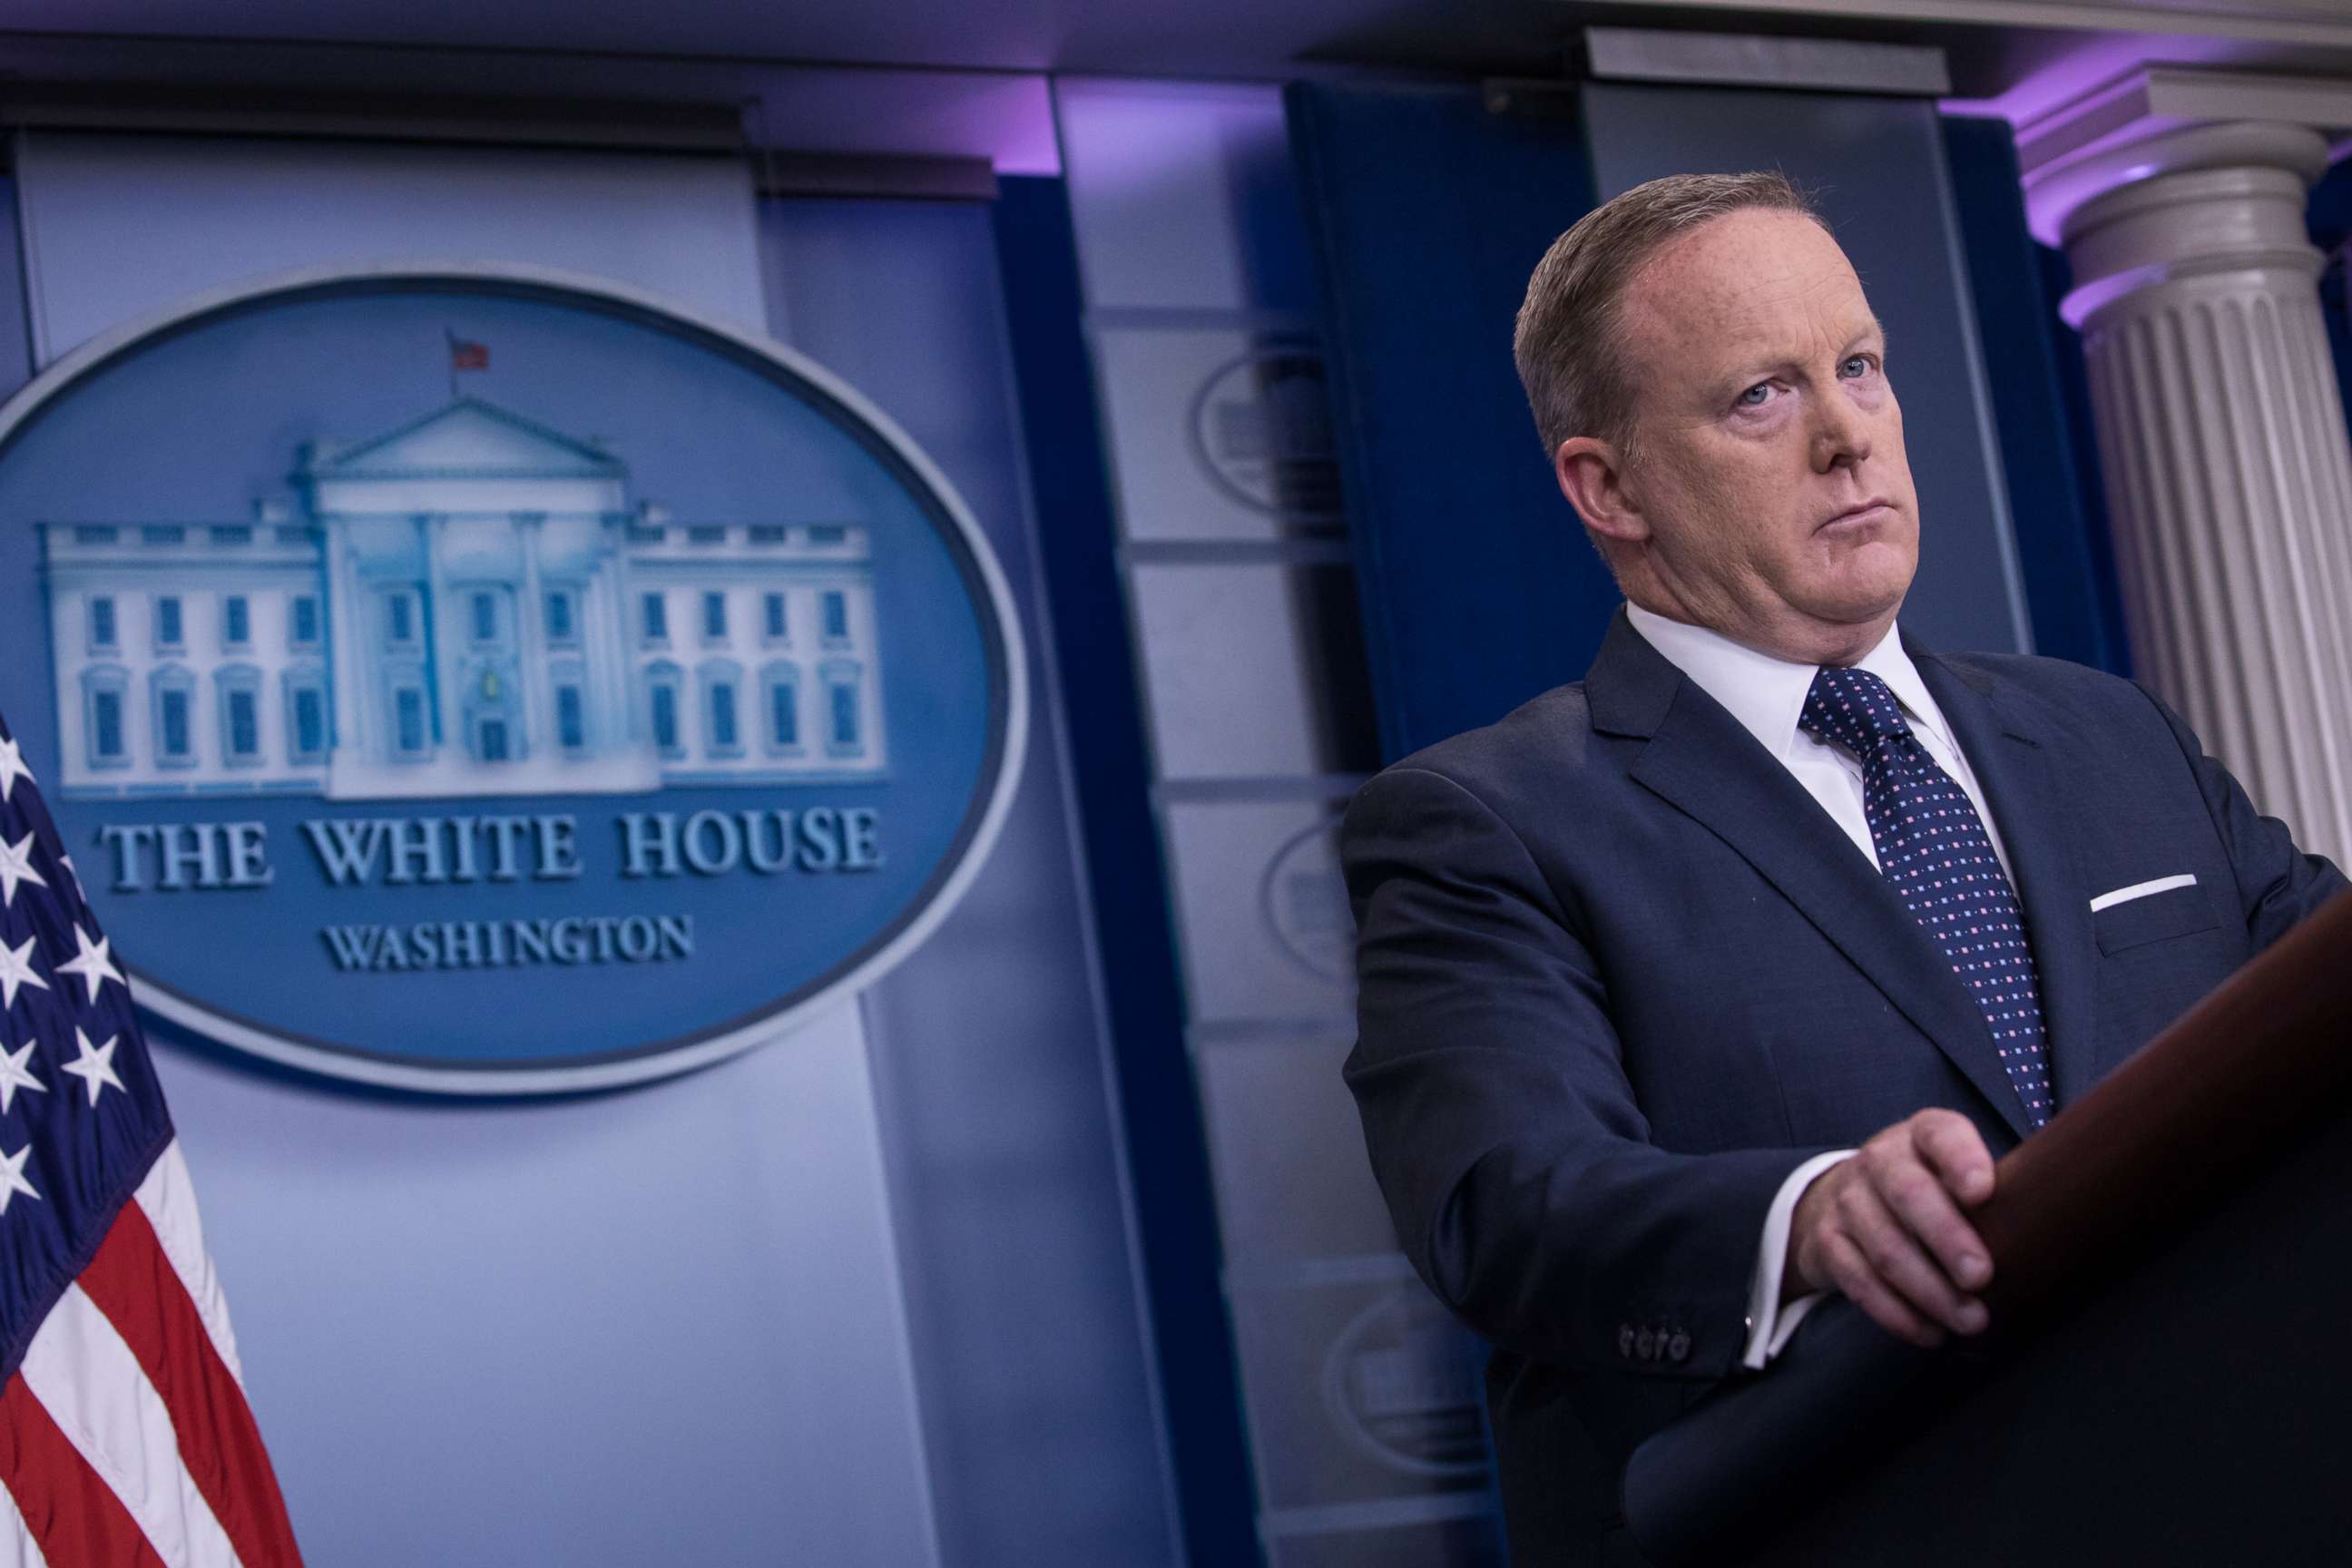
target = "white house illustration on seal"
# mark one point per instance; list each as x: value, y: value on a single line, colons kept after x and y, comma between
x: 469, y: 604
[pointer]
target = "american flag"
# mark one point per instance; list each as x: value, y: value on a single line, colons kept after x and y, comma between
x: 124, y: 1436
x: 466, y: 354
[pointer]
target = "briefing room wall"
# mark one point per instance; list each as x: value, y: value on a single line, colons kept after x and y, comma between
x: 732, y: 1315
x: 15, y: 323
x: 1432, y: 202
x: 2033, y: 373
x: 1361, y: 1397
x: 2331, y: 231
x: 1039, y: 1409
x: 1878, y: 167
x: 428, y: 1280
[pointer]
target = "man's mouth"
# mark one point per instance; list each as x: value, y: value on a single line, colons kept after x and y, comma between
x: 1877, y: 509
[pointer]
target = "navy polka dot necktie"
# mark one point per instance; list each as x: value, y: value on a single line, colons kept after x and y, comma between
x: 1933, y: 851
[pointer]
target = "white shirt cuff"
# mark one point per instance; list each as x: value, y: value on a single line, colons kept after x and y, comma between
x: 1770, y: 1325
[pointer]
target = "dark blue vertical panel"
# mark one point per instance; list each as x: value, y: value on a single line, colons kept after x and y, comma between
x: 2331, y: 230
x: 1429, y: 212
x: 2082, y: 440
x: 1875, y: 167
x: 1028, y: 1336
x: 2054, y: 501
x: 20, y: 595
x: 1136, y: 940
x: 15, y: 323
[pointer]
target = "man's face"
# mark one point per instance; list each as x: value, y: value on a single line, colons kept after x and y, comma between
x: 1769, y: 464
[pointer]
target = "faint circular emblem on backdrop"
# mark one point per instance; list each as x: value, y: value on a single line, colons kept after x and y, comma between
x: 1304, y: 902
x: 1400, y: 1382
x: 1262, y: 429
x: 487, y: 681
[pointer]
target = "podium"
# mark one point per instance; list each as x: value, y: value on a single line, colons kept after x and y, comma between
x: 2169, y: 1374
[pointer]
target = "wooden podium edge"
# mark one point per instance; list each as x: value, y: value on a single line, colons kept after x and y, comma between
x: 2260, y: 1062
x: 2243, y: 1076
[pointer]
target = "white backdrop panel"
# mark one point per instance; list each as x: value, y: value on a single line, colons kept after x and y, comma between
x: 117, y: 227
x: 661, y: 1325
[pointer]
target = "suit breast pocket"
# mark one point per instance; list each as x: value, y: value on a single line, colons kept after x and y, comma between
x: 2175, y: 913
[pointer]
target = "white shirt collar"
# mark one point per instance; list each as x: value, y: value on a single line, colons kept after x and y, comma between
x: 1767, y: 694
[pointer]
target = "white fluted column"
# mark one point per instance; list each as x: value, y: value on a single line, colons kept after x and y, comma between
x: 2221, y: 437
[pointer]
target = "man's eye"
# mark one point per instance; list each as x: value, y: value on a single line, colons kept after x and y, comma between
x: 1754, y: 395
x: 1855, y: 367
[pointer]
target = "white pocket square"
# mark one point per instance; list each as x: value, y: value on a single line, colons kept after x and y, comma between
x: 2142, y: 889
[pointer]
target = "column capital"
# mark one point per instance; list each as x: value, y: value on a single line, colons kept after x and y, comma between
x: 2180, y: 196
x: 2171, y: 119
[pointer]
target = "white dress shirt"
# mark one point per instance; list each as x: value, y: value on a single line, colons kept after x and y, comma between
x: 1765, y: 695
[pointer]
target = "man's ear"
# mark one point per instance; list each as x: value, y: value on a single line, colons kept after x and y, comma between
x: 1591, y: 479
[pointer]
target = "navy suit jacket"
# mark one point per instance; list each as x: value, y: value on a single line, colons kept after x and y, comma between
x: 1619, y: 973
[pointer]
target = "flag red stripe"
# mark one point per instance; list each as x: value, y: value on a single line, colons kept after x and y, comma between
x: 73, y: 1515
x: 133, y: 1283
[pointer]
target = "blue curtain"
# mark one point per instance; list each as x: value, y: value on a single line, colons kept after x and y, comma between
x: 1429, y: 211
x: 1431, y: 205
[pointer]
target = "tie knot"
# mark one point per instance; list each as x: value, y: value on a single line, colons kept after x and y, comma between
x: 1853, y: 708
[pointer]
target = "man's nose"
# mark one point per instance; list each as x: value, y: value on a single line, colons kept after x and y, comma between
x: 1841, y: 435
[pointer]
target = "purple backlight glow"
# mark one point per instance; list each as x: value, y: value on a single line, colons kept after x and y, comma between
x: 2101, y: 61
x: 1005, y: 119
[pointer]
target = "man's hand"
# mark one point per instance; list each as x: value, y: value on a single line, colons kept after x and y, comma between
x: 1887, y: 1228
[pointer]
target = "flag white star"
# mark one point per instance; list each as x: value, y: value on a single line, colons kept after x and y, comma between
x: 95, y: 1066
x: 16, y: 969
x: 17, y: 866
x: 14, y: 1075
x: 12, y: 1176
x: 12, y: 768
x: 91, y: 962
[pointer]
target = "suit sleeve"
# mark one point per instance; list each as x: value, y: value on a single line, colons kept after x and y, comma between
x: 1501, y: 1124
x: 2278, y: 884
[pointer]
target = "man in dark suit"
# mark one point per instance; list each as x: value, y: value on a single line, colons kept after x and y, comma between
x: 1717, y: 981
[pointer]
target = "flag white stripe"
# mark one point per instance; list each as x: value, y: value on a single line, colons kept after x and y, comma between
x: 169, y: 1199
x: 18, y: 1547
x: 86, y: 1377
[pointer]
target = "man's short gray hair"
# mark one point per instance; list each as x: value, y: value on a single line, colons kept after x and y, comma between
x: 1578, y: 380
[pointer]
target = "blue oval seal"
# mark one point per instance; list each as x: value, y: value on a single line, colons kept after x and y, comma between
x: 485, y: 681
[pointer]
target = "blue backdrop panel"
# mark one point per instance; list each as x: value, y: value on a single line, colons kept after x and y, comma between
x: 1428, y: 211
x: 1007, y: 1198
x: 1110, y: 774
x: 1876, y: 167
x: 2054, y: 500
x: 1430, y: 208
x: 657, y: 1326
x: 15, y: 336
x: 2331, y: 230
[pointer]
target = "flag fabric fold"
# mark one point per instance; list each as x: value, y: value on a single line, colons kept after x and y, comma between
x: 125, y: 1437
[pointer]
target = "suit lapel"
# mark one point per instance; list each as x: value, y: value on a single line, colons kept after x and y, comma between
x: 2010, y: 741
x: 1700, y: 760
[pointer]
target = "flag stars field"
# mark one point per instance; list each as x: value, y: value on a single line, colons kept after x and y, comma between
x: 91, y: 962
x: 12, y: 1176
x: 95, y: 1066
x: 12, y: 768
x: 125, y: 1437
x: 17, y: 867
x: 15, y: 1074
x: 16, y: 971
